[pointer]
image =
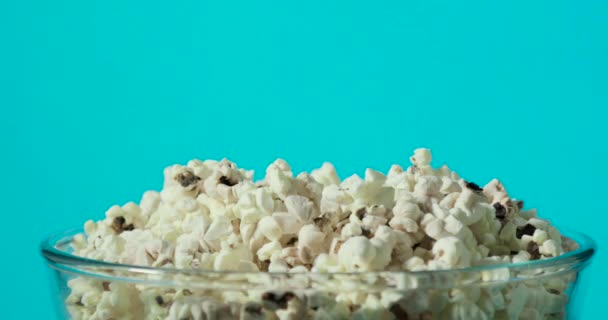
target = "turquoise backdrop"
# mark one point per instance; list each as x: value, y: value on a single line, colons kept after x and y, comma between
x: 97, y: 97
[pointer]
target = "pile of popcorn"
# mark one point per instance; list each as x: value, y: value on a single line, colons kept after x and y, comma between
x: 211, y: 215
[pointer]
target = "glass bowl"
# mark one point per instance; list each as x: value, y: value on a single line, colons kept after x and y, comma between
x: 540, y: 289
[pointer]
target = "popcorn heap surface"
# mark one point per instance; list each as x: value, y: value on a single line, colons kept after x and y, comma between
x: 211, y: 215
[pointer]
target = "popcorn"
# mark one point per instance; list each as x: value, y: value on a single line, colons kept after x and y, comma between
x: 454, y: 226
x: 155, y: 253
x: 268, y: 250
x: 383, y: 254
x: 539, y: 236
x: 404, y: 224
x: 211, y: 215
x: 219, y: 228
x: 422, y: 157
x: 517, y: 300
x: 310, y: 243
x: 357, y: 253
x: 269, y: 227
x: 230, y: 260
x: 287, y: 223
x: 452, y: 252
x: 326, y: 175
x: 550, y: 248
x: 185, y: 252
x: 407, y: 208
x: 371, y: 223
x: 299, y: 207
x: 279, y: 180
x: 434, y: 229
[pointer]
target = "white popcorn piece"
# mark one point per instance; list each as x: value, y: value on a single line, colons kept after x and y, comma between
x: 287, y: 223
x: 426, y: 188
x: 228, y: 260
x: 517, y: 299
x: 310, y: 242
x: 394, y: 170
x: 149, y: 202
x: 499, y: 274
x: 374, y: 177
x: 305, y: 185
x: 452, y: 251
x: 383, y: 254
x: 326, y: 263
x: 404, y: 224
x: 550, y: 248
x: 414, y: 263
x: 453, y: 225
x: 333, y: 198
x: 372, y: 223
x: 278, y: 181
x: 220, y: 227
x: 408, y: 209
x: 434, y: 229
x: 326, y: 175
x: 247, y: 230
x: 268, y: 250
x: 357, y: 253
x: 354, y: 185
x: 422, y: 157
x: 280, y: 165
x: 426, y: 219
x: 351, y: 230
x: 539, y: 236
x: 450, y: 186
x: 440, y: 212
x: 521, y: 256
x: 300, y: 207
x: 269, y: 227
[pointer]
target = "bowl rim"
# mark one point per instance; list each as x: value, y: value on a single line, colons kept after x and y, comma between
x: 67, y: 262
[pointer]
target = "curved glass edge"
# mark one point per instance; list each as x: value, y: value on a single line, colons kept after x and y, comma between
x: 64, y: 261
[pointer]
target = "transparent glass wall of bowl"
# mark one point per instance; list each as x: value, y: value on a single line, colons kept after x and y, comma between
x: 88, y: 289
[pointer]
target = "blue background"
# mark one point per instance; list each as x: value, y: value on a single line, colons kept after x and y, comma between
x: 97, y: 97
